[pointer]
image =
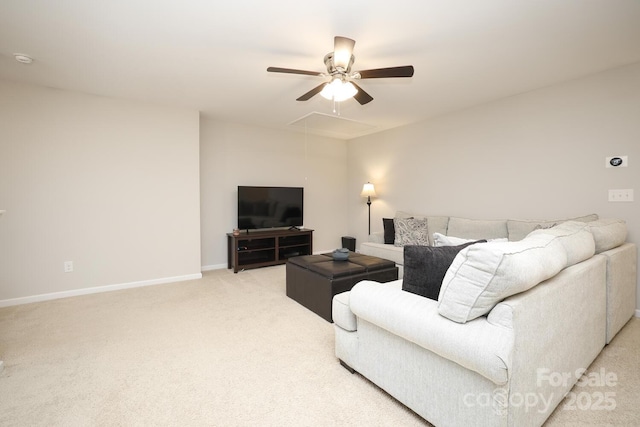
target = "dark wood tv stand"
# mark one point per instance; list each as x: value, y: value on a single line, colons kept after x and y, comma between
x: 264, y: 248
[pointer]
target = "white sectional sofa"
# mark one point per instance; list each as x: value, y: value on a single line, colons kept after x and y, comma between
x: 509, y: 317
x: 511, y: 229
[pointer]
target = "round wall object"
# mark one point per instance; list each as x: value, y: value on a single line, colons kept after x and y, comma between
x: 615, y: 161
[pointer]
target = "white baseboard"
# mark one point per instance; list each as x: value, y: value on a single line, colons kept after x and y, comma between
x: 213, y: 267
x: 96, y: 290
x: 224, y: 266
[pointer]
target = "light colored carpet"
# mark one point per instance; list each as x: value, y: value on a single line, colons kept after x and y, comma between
x: 226, y: 350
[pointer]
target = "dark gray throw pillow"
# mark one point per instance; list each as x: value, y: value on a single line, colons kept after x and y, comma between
x: 389, y: 231
x: 425, y: 267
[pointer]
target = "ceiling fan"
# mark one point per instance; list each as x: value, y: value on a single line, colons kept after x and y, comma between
x: 342, y: 85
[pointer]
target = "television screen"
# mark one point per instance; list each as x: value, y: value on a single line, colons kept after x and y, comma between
x: 268, y: 207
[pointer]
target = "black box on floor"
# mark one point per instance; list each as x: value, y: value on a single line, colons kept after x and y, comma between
x: 349, y: 243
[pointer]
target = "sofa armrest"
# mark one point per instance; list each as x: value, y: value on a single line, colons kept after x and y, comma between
x: 376, y: 237
x: 476, y: 345
x: 341, y: 313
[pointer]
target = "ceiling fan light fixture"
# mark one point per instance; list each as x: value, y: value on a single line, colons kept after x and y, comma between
x: 339, y: 90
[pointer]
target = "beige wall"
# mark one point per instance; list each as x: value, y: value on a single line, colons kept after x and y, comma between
x: 232, y: 155
x: 536, y: 155
x: 134, y: 193
x: 111, y: 185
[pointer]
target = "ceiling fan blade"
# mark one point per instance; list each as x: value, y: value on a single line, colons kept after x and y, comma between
x: 316, y: 90
x: 342, y: 51
x: 404, y: 71
x: 362, y: 97
x: 292, y: 71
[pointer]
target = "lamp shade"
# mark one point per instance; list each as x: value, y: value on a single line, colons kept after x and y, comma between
x: 368, y: 190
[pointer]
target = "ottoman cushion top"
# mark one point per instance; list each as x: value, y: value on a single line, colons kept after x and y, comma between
x: 325, y: 266
x: 334, y: 269
x: 372, y: 263
x: 305, y: 260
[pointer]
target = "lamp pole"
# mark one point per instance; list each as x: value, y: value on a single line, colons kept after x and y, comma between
x: 369, y: 205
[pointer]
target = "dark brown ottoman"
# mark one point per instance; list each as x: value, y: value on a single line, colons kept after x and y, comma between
x: 313, y: 280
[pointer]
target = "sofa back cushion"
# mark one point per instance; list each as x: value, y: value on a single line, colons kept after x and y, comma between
x: 437, y: 224
x: 476, y: 228
x: 425, y: 267
x: 442, y: 240
x: 575, y: 237
x: 520, y: 228
x: 483, y: 275
x: 608, y: 233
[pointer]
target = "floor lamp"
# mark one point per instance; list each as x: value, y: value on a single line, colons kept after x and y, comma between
x: 368, y: 191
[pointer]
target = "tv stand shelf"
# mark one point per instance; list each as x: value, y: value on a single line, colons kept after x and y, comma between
x: 264, y: 248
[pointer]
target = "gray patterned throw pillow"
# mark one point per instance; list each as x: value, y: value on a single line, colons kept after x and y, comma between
x: 411, y: 231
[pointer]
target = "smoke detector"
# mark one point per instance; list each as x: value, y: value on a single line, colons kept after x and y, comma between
x: 22, y: 58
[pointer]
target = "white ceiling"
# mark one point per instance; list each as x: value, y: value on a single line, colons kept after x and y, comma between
x: 212, y: 55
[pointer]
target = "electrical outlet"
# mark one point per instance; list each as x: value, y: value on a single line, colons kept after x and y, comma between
x: 68, y: 266
x: 621, y: 195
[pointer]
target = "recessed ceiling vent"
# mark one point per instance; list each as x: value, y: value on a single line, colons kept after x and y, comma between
x: 22, y: 58
x: 333, y: 126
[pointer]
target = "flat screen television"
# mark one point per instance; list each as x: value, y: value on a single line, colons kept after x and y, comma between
x: 269, y: 207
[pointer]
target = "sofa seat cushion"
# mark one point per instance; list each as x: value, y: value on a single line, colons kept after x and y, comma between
x: 477, y: 345
x: 483, y: 275
x: 380, y: 250
x: 477, y: 228
x: 608, y: 233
